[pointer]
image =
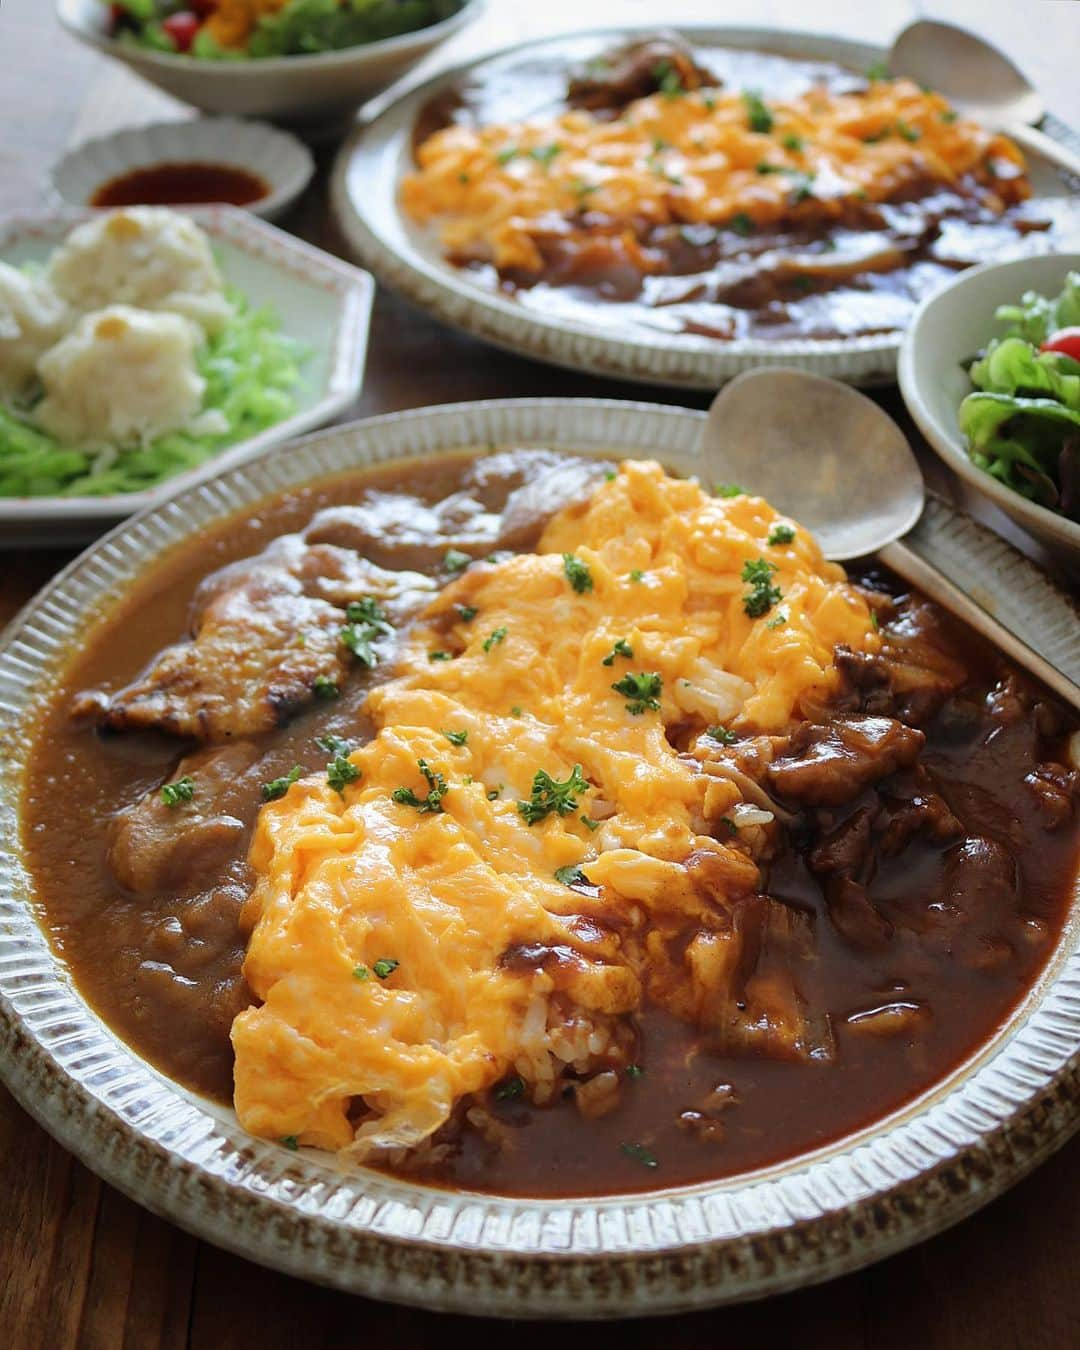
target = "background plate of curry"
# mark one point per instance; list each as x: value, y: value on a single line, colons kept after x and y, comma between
x: 678, y: 208
x: 639, y: 912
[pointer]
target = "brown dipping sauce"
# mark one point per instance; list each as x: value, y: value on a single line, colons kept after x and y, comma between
x: 164, y: 969
x: 182, y: 185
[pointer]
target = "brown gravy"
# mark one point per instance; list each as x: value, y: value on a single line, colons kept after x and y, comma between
x: 182, y: 185
x: 165, y: 972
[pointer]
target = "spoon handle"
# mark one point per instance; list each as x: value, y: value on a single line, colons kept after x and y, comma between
x: 937, y: 586
x: 1039, y: 143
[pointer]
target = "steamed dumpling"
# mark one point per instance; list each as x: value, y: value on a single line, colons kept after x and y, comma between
x: 120, y: 376
x: 32, y: 318
x: 145, y: 256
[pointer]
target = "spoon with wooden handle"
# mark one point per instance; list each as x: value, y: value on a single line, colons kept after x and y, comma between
x: 827, y: 455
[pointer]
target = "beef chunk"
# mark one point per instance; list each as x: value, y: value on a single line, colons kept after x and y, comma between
x: 846, y: 850
x: 640, y: 68
x: 910, y: 808
x: 830, y: 764
x: 1055, y: 789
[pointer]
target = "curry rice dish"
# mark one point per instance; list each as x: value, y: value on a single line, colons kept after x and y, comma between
x: 532, y: 824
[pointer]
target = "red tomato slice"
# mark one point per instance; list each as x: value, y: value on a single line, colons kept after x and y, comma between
x: 182, y: 28
x: 1065, y: 340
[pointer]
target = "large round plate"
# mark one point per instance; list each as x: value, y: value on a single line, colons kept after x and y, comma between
x: 364, y: 193
x: 807, y: 1220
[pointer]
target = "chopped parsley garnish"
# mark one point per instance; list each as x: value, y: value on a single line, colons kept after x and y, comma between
x: 456, y: 561
x: 732, y: 827
x: 642, y: 690
x: 366, y: 622
x: 949, y: 116
x: 456, y: 737
x: 571, y: 875
x: 907, y: 131
x: 549, y: 794
x: 277, y: 787
x: 758, y: 574
x: 385, y: 967
x: 741, y: 223
x: 493, y: 639
x: 291, y: 1141
x: 581, y: 189
x: 515, y: 711
x: 495, y: 793
x: 510, y: 1089
x: 577, y: 573
x: 804, y: 190
x: 591, y: 824
x: 637, y: 575
x: 361, y: 973
x: 874, y: 620
x: 506, y: 155
x: 172, y: 794
x: 878, y: 71
x: 340, y: 772
x: 621, y: 648
x: 777, y: 622
x: 635, y: 1071
x: 765, y: 167
x: 728, y: 490
x: 463, y: 177
x: 544, y: 154
x: 466, y: 613
x: 326, y: 688
x: 781, y: 534
x: 792, y: 142
x: 668, y: 80
x: 357, y: 637
x: 640, y: 1154
x: 437, y: 790
x: 802, y: 283
x: 440, y: 656
x: 757, y: 114
x: 334, y: 745
x: 610, y: 475
x: 368, y: 610
x: 722, y: 735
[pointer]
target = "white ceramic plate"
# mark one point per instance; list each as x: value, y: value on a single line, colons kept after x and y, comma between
x: 365, y: 188
x: 308, y: 90
x: 952, y: 325
x: 861, y: 1198
x: 323, y: 302
x: 280, y: 160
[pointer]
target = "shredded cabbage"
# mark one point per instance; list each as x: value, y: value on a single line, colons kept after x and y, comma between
x: 252, y: 371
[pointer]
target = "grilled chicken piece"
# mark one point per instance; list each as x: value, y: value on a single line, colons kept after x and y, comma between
x: 267, y: 641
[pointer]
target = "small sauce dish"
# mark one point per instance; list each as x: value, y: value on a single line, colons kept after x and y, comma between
x: 205, y: 160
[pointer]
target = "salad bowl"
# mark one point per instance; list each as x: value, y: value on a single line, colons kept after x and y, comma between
x: 947, y: 330
x: 313, y: 90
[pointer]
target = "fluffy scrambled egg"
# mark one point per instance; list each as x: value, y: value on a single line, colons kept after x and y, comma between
x: 696, y: 158
x: 427, y: 928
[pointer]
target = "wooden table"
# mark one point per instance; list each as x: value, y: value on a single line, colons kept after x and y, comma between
x: 82, y: 1266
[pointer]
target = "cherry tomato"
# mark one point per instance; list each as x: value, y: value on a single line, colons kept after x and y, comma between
x: 1065, y: 340
x: 182, y: 28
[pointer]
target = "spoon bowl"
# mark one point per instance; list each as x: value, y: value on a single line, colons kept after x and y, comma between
x: 978, y: 78
x: 819, y: 451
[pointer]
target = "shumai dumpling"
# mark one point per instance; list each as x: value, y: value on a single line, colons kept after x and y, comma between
x: 32, y: 318
x: 146, y: 256
x: 121, y: 376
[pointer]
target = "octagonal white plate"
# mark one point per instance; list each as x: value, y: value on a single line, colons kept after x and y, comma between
x: 323, y: 302
x: 813, y: 1217
x: 364, y: 190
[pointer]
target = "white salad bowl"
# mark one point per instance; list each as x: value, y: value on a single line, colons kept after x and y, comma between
x: 946, y: 329
x: 297, y: 89
x: 320, y: 301
x: 283, y: 163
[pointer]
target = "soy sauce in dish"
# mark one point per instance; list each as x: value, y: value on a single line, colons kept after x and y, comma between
x: 182, y: 185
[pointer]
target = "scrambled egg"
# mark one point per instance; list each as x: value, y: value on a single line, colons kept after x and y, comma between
x: 692, y: 159
x: 393, y: 917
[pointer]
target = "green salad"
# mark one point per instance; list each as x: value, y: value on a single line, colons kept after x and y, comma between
x: 251, y: 371
x: 1022, y: 423
x: 240, y: 30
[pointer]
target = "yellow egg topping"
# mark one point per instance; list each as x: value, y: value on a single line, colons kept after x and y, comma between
x: 530, y: 847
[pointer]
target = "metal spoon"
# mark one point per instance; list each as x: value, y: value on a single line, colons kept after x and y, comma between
x: 825, y: 454
x: 981, y: 81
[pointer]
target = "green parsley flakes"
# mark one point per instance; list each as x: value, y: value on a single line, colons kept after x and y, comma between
x: 550, y: 795
x: 361, y: 973
x: 291, y: 1142
x: 741, y: 223
x: 544, y: 154
x: 591, y: 824
x: 621, y: 648
x: 792, y: 142
x: 456, y: 561
x: 325, y: 688
x: 334, y: 745
x: 466, y: 613
x: 437, y: 790
x: 493, y: 639
x: 758, y: 574
x: 340, y: 772
x: 577, y: 573
x: 722, y: 735
x: 728, y: 490
x: 637, y: 575
x: 510, y: 1089
x: 781, y: 534
x: 571, y: 875
x: 640, y: 1154
x: 668, y: 80
x: 643, y: 691
x: 456, y: 737
x: 172, y: 794
x: 385, y: 967
x: 440, y: 656
x: 757, y: 114
x: 366, y: 623
x: 277, y: 787
x: 635, y: 1071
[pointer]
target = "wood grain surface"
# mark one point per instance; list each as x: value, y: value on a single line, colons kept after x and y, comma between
x: 81, y: 1265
